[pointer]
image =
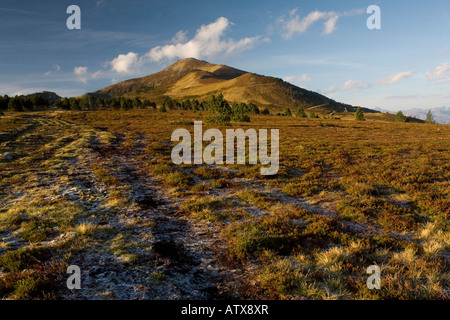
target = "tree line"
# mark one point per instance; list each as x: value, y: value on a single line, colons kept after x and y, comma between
x: 37, y: 102
x: 98, y: 103
x: 23, y: 103
x: 219, y: 109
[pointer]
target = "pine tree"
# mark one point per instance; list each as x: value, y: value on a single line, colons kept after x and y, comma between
x: 219, y: 111
x: 265, y: 111
x: 430, y: 118
x: 15, y: 104
x: 400, y: 117
x: 359, y: 115
x: 252, y: 108
x: 313, y: 115
x: 300, y: 113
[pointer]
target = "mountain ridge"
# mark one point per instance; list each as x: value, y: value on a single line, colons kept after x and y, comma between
x: 440, y: 114
x: 197, y: 79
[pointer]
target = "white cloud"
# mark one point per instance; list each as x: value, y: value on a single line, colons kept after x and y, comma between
x: 296, y: 25
x: 81, y: 73
x: 330, y: 25
x: 353, y: 84
x: 396, y: 77
x: 331, y: 90
x: 293, y: 11
x: 294, y: 79
x: 57, y: 68
x: 180, y: 37
x: 97, y: 74
x: 354, y: 12
x: 206, y: 43
x: 441, y: 72
x: 124, y: 63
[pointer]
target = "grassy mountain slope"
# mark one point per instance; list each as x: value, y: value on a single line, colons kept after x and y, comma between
x: 192, y: 78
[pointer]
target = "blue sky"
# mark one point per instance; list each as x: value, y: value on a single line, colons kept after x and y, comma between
x: 324, y: 46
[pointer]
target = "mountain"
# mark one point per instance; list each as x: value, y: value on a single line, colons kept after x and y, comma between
x: 441, y: 114
x: 382, y: 110
x: 191, y: 78
x: 47, y: 95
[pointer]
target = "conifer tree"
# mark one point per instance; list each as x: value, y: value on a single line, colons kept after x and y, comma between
x: 430, y: 118
x: 300, y: 113
x: 359, y: 115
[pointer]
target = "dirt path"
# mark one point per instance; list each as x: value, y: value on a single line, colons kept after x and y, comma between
x: 172, y: 257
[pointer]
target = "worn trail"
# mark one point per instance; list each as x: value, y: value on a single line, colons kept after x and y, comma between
x: 181, y: 262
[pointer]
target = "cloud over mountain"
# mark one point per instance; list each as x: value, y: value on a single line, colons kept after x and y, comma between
x: 298, y: 79
x: 124, y: 63
x: 207, y: 43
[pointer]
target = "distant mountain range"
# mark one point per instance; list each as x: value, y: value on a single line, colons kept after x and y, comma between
x: 441, y: 114
x: 191, y: 78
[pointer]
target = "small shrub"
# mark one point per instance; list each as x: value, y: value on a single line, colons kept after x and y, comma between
x: 162, y: 169
x: 256, y: 198
x: 221, y: 183
x: 270, y: 233
x: 178, y: 179
x: 14, y: 261
x: 300, y: 113
x: 206, y: 173
x: 36, y: 230
x: 265, y: 111
x: 105, y: 176
x: 26, y: 288
x: 201, y: 187
x: 157, y: 277
x: 156, y: 148
x: 198, y: 204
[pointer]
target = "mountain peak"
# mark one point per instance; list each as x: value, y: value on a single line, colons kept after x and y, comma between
x: 190, y: 60
x: 189, y: 64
